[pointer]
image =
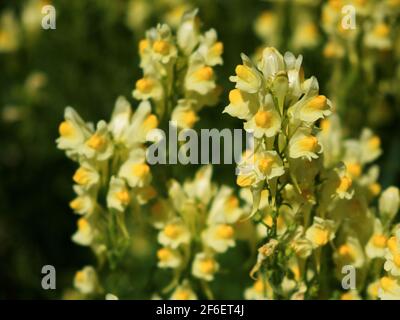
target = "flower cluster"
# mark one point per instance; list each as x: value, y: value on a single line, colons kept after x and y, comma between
x: 383, y: 247
x: 373, y: 22
x: 365, y: 40
x: 306, y: 205
x: 362, y: 240
x: 179, y: 76
x: 307, y: 183
x: 358, y: 40
x: 17, y: 30
x: 9, y: 32
x: 304, y: 35
x: 139, y: 12
x: 112, y: 175
x: 283, y: 171
x: 280, y: 109
x: 114, y: 180
x: 196, y: 223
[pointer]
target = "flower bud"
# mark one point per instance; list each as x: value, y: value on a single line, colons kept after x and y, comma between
x: 389, y: 202
x: 188, y: 32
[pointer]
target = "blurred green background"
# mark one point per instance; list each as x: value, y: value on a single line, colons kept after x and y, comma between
x: 87, y: 62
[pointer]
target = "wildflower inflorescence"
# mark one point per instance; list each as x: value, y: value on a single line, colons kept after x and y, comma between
x: 357, y: 40
x: 306, y: 202
x: 307, y: 183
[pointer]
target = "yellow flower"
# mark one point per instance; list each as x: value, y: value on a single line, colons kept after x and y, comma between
x: 392, y: 255
x: 219, y: 237
x: 184, y: 114
x: 329, y: 136
x: 333, y: 50
x: 204, y: 266
x: 242, y: 105
x: 260, y: 290
x: 272, y: 63
x: 85, y: 234
x: 378, y: 36
x: 168, y: 258
x: 389, y: 288
x: 246, y: 170
x: 375, y: 188
x: 373, y: 290
x: 224, y: 208
x: 245, y: 180
x: 269, y: 165
x: 142, y: 125
x: 376, y: 244
x: 301, y: 245
x: 306, y: 35
x: 304, y: 145
x: 200, y: 78
x: 350, y: 295
x: 211, y: 49
x: 321, y: 232
x: 174, y: 234
x: 188, y: 34
x: 266, y: 26
x: 174, y: 16
x: 312, y: 106
x: 86, y: 176
x: 118, y: 196
x: 163, y: 49
x: 247, y: 77
x: 132, y: 130
x: 392, y: 263
x: 120, y: 119
x: 370, y: 145
x: 84, y: 203
x: 344, y: 186
x: 393, y: 243
x: 110, y: 296
x: 143, y: 45
x: 350, y: 253
x: 266, y: 122
x: 85, y: 280
x: 200, y: 188
x: 9, y: 32
x: 204, y: 73
x: 135, y: 170
x: 389, y: 202
x: 73, y: 132
x: 354, y: 169
x: 381, y: 30
x: 148, y: 88
x: 183, y: 292
x: 99, y: 145
x: 137, y: 13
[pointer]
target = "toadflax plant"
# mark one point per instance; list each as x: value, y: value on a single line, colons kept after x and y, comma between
x: 303, y: 212
x: 119, y: 195
x: 311, y: 204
